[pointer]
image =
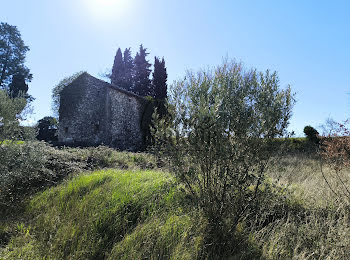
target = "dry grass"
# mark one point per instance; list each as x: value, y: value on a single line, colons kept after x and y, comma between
x: 300, y: 217
x: 323, y: 230
x: 302, y: 173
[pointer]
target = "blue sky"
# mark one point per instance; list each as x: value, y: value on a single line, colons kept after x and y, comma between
x: 306, y: 42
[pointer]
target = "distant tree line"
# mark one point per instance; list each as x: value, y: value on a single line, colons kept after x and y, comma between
x: 133, y: 74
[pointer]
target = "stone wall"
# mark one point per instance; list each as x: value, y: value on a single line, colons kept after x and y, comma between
x: 94, y: 112
x: 125, y: 120
x: 82, y: 111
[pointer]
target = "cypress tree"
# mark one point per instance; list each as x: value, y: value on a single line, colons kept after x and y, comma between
x: 159, y: 81
x: 142, y: 82
x: 118, y: 69
x: 128, y: 70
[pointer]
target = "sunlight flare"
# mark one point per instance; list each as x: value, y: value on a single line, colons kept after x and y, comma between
x: 106, y: 9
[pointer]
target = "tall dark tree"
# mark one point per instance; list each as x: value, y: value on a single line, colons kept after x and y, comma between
x: 128, y: 70
x: 159, y: 81
x: 142, y: 82
x: 12, y: 55
x: 117, y: 76
x: 18, y: 87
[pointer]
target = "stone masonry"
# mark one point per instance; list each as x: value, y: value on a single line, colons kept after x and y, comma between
x: 94, y: 112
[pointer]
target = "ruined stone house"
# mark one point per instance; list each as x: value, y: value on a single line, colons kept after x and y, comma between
x: 94, y: 112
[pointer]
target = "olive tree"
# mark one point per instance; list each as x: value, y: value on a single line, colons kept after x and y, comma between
x: 218, y: 137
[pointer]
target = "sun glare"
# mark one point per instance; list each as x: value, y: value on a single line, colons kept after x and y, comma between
x: 106, y: 9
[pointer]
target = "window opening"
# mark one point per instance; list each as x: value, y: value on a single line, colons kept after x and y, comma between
x: 97, y: 128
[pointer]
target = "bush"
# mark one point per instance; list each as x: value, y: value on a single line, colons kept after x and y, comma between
x: 26, y: 167
x: 336, y: 153
x: 21, y: 168
x: 47, y: 129
x: 311, y: 134
x: 219, y: 137
x: 10, y: 111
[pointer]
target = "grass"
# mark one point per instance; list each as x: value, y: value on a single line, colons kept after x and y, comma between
x: 138, y: 212
x: 302, y: 174
x: 9, y: 142
x: 107, y: 214
x: 29, y: 167
x: 323, y: 230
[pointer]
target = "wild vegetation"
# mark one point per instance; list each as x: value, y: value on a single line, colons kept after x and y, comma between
x: 219, y: 139
x: 223, y: 180
x: 27, y: 167
x: 118, y: 214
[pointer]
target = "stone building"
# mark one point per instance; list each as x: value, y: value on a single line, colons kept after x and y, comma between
x: 94, y: 112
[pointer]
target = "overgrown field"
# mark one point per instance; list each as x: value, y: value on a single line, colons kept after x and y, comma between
x: 27, y: 167
x: 132, y: 209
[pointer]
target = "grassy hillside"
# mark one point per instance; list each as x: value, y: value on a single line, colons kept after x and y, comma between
x: 139, y: 213
x: 109, y: 214
x: 28, y: 167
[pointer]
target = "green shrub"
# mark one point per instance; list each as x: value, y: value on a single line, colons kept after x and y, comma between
x: 100, y: 156
x: 219, y: 139
x: 22, y: 168
x: 11, y: 110
x: 311, y: 134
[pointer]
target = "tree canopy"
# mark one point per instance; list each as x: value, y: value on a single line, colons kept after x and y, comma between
x: 14, y: 75
x: 117, y: 76
x: 142, y: 82
x: 159, y: 81
x: 12, y: 55
x: 18, y: 87
x: 133, y: 74
x: 128, y: 70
